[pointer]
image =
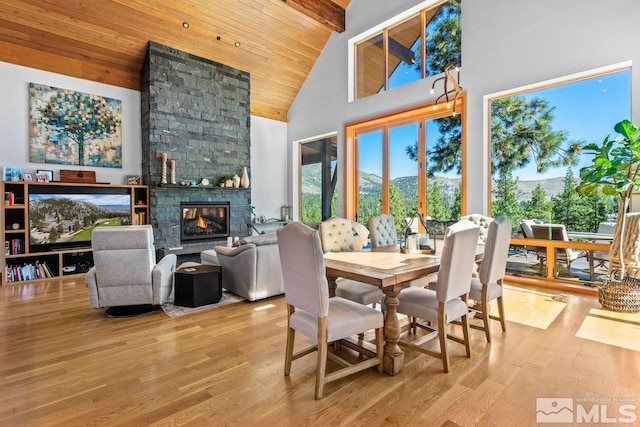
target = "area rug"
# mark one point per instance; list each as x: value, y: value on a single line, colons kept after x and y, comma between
x: 176, y: 310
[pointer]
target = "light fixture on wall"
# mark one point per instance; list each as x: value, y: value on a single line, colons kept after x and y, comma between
x: 451, y: 86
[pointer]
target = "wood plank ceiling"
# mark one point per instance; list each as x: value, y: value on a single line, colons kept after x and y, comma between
x: 106, y: 40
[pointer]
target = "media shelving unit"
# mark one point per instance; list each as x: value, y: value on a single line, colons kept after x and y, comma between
x: 15, y: 230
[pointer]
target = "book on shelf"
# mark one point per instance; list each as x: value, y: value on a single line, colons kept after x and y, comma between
x: 47, y: 270
x: 7, y: 247
x: 141, y: 218
x: 26, y: 271
x: 9, y: 198
x: 17, y: 247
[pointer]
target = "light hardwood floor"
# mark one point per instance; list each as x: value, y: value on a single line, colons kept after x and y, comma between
x: 63, y: 363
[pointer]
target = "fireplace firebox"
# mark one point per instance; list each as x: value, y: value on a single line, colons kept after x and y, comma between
x: 204, y: 221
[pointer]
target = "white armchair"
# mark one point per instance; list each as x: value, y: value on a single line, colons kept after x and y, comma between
x: 125, y: 276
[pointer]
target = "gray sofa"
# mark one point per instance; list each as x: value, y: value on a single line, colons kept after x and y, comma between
x: 252, y: 269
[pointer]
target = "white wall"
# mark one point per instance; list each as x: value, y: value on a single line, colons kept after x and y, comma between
x: 268, y: 166
x: 14, y: 121
x: 505, y: 44
x: 268, y: 137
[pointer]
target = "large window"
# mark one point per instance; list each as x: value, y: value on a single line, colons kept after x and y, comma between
x: 405, y: 163
x: 392, y: 55
x: 536, y: 136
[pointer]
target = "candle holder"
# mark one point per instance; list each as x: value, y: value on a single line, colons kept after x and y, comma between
x: 164, y: 168
x: 173, y: 171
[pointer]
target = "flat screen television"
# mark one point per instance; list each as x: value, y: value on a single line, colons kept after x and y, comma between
x: 63, y: 217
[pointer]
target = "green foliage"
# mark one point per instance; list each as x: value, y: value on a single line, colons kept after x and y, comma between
x: 569, y: 208
x: 398, y: 207
x: 443, y: 44
x: 614, y: 172
x: 615, y: 166
x: 435, y: 204
x: 456, y: 207
x: 538, y: 207
x: 505, y: 202
x: 522, y: 132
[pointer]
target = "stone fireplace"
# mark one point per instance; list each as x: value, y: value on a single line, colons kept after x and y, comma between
x: 196, y: 111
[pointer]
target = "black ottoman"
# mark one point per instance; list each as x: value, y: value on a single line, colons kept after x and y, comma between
x: 198, y: 285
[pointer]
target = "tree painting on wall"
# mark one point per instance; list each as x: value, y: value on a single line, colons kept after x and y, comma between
x: 74, y: 128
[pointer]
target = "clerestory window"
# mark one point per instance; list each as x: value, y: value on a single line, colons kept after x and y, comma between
x: 391, y: 54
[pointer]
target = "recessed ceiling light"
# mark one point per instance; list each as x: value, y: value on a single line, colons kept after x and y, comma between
x: 237, y: 44
x: 185, y: 24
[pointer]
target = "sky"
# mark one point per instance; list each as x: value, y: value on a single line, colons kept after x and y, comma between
x: 96, y: 199
x: 587, y: 109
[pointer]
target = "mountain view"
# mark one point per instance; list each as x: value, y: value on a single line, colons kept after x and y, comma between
x: 408, y: 185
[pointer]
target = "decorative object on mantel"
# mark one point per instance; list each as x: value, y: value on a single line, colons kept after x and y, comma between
x: 236, y: 181
x: 164, y: 168
x: 204, y: 182
x: 173, y: 171
x: 134, y: 180
x: 244, y: 181
x: 228, y: 181
x: 77, y: 176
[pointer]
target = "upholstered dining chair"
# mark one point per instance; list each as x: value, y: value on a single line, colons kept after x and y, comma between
x: 125, y: 276
x: 314, y: 314
x: 488, y: 285
x: 382, y: 231
x: 336, y: 235
x: 448, y: 302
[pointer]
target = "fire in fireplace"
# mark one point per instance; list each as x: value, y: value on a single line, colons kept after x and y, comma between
x: 204, y: 221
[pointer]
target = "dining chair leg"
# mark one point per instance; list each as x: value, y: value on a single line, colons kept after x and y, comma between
x: 380, y: 348
x: 485, y: 312
x: 442, y: 335
x: 501, y: 312
x: 291, y: 335
x: 465, y: 333
x: 464, y: 320
x: 322, y: 356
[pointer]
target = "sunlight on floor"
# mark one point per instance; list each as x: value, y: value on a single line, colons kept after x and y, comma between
x: 528, y: 307
x: 610, y: 327
x: 264, y: 307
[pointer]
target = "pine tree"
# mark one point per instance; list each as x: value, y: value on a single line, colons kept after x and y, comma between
x: 397, y: 207
x: 569, y: 208
x: 435, y: 204
x: 505, y: 202
x: 539, y: 207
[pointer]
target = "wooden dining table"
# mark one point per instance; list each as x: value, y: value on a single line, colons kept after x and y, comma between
x: 391, y: 271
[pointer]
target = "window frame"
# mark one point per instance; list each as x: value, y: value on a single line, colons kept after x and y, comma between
x: 383, y: 28
x: 418, y: 115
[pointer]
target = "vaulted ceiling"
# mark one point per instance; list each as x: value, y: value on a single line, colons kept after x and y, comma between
x: 276, y: 41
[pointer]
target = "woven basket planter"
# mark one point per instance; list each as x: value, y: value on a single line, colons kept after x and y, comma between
x: 622, y: 295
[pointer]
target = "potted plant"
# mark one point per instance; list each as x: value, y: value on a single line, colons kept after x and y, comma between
x: 615, y: 172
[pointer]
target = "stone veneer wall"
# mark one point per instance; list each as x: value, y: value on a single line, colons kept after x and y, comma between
x: 196, y: 111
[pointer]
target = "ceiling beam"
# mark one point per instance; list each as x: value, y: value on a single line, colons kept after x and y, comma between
x: 324, y: 11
